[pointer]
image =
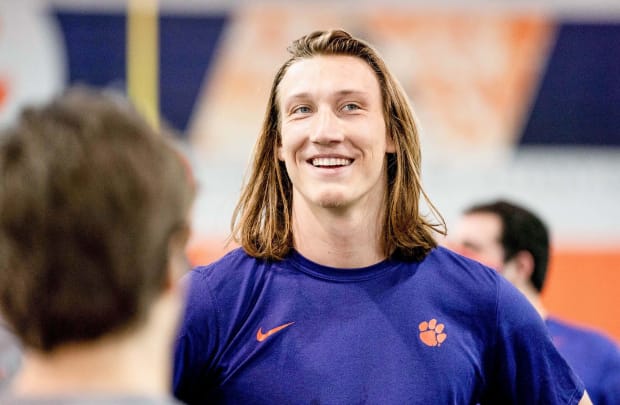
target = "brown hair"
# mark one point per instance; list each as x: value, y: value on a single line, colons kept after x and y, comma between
x: 261, y: 221
x: 90, y: 197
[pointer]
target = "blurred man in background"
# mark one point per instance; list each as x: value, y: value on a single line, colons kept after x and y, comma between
x: 94, y: 221
x: 515, y: 242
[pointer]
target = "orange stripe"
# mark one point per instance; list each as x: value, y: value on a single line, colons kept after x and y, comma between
x: 582, y: 287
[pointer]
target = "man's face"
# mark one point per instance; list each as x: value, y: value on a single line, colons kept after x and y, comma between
x: 334, y: 140
x: 477, y: 236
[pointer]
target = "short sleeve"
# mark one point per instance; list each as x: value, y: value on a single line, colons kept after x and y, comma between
x: 525, y: 367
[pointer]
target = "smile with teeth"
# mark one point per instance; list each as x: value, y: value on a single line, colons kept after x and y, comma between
x: 331, y: 162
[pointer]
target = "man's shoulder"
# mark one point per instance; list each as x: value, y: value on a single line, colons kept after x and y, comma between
x: 236, y: 263
x: 228, y: 275
x: 594, y: 356
x: 594, y: 339
x: 446, y: 256
x: 443, y: 262
x: 460, y: 284
x: 234, y: 256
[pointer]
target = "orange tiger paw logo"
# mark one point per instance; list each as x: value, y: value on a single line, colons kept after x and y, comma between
x: 431, y: 333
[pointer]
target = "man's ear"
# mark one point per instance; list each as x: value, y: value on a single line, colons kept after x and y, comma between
x: 524, y: 265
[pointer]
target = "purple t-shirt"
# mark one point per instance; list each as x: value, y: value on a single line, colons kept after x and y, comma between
x: 443, y: 330
x: 594, y: 357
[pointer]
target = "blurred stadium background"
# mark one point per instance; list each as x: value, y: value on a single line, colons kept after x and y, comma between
x: 517, y: 99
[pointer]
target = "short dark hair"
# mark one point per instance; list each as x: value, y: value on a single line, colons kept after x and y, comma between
x: 90, y: 196
x: 522, y: 230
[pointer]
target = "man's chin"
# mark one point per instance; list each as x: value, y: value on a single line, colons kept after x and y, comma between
x: 332, y: 201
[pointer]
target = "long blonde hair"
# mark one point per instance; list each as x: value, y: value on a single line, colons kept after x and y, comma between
x: 261, y: 221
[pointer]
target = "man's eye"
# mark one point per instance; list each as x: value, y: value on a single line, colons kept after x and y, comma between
x: 351, y: 107
x: 302, y: 109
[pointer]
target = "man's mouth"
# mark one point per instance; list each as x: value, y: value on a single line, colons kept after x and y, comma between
x: 331, y: 162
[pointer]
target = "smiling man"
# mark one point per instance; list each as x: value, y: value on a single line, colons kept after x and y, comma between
x: 339, y: 293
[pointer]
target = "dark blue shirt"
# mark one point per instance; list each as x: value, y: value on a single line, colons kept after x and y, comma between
x: 445, y: 330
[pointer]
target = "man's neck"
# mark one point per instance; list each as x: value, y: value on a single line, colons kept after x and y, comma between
x: 338, y: 238
x: 533, y: 297
x: 135, y: 362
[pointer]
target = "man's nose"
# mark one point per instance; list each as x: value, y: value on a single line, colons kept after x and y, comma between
x: 327, y: 127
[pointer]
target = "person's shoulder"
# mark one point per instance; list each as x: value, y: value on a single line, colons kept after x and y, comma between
x: 225, y: 276
x: 451, y: 264
x: 442, y: 254
x: 234, y: 257
x: 236, y: 263
x: 593, y: 338
x: 481, y: 284
x: 464, y: 284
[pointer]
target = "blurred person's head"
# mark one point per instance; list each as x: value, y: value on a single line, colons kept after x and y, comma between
x: 262, y: 221
x: 507, y: 237
x: 94, y: 211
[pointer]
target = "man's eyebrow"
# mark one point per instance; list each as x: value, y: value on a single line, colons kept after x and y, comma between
x: 339, y: 93
x: 297, y: 96
x: 346, y: 92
